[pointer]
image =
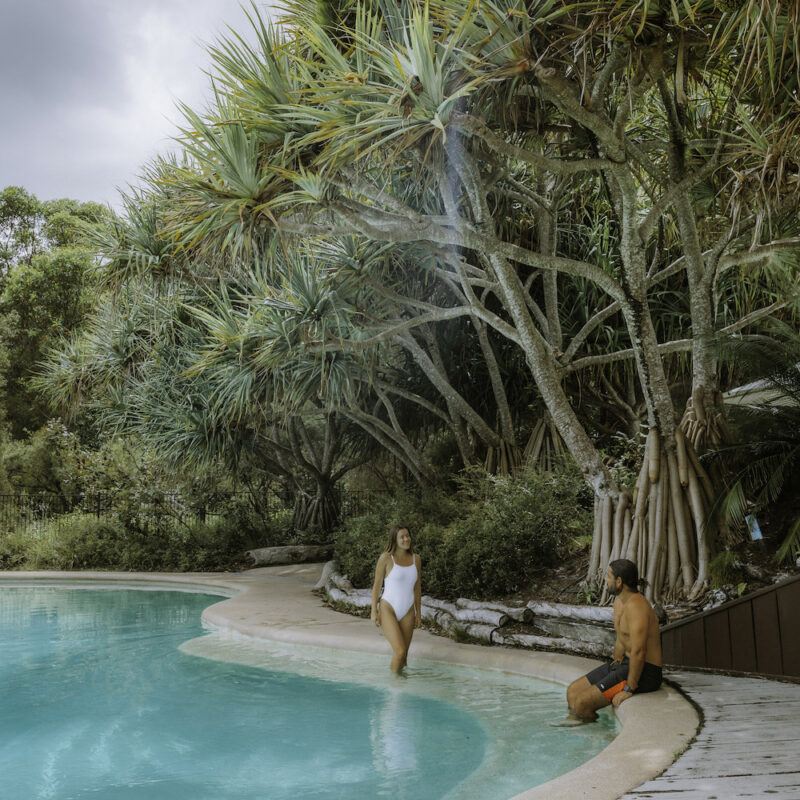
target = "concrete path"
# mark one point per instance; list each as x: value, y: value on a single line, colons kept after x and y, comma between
x: 748, y: 746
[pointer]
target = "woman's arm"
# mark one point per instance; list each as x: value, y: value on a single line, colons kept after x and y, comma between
x: 418, y: 594
x: 380, y: 573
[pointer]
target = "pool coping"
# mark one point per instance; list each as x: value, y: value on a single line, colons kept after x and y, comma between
x: 276, y: 603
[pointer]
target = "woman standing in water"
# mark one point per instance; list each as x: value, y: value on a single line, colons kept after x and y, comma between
x: 398, y: 570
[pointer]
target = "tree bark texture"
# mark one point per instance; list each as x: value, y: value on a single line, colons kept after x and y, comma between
x: 661, y: 526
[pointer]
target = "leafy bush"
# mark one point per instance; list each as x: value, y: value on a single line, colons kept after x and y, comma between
x: 486, y: 540
x: 82, y: 541
x: 151, y: 519
x: 359, y: 543
x: 725, y: 568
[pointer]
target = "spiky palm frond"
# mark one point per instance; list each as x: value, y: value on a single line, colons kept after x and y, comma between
x: 132, y: 244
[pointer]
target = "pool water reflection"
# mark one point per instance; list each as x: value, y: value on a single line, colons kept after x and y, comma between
x: 122, y: 694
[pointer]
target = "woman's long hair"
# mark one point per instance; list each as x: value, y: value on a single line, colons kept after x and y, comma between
x: 391, y: 545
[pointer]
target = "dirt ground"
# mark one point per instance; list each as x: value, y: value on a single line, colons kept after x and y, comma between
x: 564, y: 584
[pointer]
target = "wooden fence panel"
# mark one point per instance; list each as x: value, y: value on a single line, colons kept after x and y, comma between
x: 756, y: 634
x: 692, y: 641
x: 718, y: 641
x: 768, y: 635
x: 743, y: 642
x: 789, y: 621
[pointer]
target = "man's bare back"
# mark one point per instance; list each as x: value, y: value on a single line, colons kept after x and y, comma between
x: 630, y: 616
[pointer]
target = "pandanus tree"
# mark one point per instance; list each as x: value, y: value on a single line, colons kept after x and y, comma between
x: 498, y: 111
x: 472, y: 132
x: 171, y: 357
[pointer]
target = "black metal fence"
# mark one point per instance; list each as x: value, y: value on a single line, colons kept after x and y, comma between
x: 20, y: 512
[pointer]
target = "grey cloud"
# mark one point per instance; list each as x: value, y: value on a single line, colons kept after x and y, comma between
x: 58, y: 53
x: 86, y: 87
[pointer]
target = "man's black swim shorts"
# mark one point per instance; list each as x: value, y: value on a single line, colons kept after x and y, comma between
x: 611, y: 678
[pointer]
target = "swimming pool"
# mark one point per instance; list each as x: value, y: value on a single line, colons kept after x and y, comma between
x: 122, y: 694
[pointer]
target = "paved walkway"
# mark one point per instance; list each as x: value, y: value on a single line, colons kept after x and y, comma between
x: 748, y: 746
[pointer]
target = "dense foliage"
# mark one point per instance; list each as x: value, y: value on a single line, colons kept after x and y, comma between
x: 485, y: 541
x: 66, y: 505
x: 513, y: 229
x: 45, y: 292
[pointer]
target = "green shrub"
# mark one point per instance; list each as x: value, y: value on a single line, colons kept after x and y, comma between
x: 486, y: 540
x: 524, y: 524
x: 362, y: 539
x: 12, y: 550
x: 725, y: 568
x: 82, y: 541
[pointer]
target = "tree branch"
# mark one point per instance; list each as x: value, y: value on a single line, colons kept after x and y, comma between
x: 560, y: 93
x: 758, y: 254
x: 615, y: 60
x: 677, y: 346
x: 477, y: 127
x: 413, y: 398
x: 755, y: 316
x: 676, y: 190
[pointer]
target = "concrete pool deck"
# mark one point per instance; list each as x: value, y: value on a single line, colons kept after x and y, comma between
x: 276, y: 603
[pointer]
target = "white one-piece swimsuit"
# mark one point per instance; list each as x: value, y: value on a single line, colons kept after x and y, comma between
x: 398, y: 588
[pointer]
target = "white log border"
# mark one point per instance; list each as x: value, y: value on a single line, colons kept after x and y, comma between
x: 597, y: 615
x: 517, y: 613
x: 484, y: 620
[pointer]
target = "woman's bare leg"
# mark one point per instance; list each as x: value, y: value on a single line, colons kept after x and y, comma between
x: 394, y: 633
x: 407, y: 629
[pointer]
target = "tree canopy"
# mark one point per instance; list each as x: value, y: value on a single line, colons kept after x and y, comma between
x: 45, y: 294
x: 529, y: 225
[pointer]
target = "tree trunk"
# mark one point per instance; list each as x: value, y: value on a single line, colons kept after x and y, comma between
x: 319, y: 511
x: 662, y: 527
x: 545, y: 445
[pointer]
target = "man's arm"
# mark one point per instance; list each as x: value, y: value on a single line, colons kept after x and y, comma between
x: 637, y: 619
x: 619, y: 647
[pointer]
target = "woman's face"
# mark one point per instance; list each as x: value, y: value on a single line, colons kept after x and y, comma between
x: 403, y: 539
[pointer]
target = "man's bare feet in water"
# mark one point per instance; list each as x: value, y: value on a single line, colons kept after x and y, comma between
x: 570, y: 722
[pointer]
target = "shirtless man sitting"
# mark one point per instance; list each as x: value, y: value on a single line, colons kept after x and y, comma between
x: 636, y: 667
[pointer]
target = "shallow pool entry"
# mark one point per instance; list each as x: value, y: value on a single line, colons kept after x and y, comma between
x: 121, y: 694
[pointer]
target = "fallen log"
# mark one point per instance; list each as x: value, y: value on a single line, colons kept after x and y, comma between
x: 290, y: 554
x: 328, y: 571
x: 478, y: 615
x: 517, y: 613
x: 597, y: 615
x: 458, y: 629
x: 550, y: 643
x: 341, y: 582
x: 361, y: 598
x: 579, y: 631
x: 476, y: 630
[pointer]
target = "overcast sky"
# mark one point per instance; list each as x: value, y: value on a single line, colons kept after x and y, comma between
x: 88, y: 87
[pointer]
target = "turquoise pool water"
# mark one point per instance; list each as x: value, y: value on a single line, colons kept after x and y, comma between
x: 122, y: 694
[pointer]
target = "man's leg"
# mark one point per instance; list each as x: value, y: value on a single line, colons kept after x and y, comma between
x: 588, y: 701
x: 586, y: 694
x: 576, y: 688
